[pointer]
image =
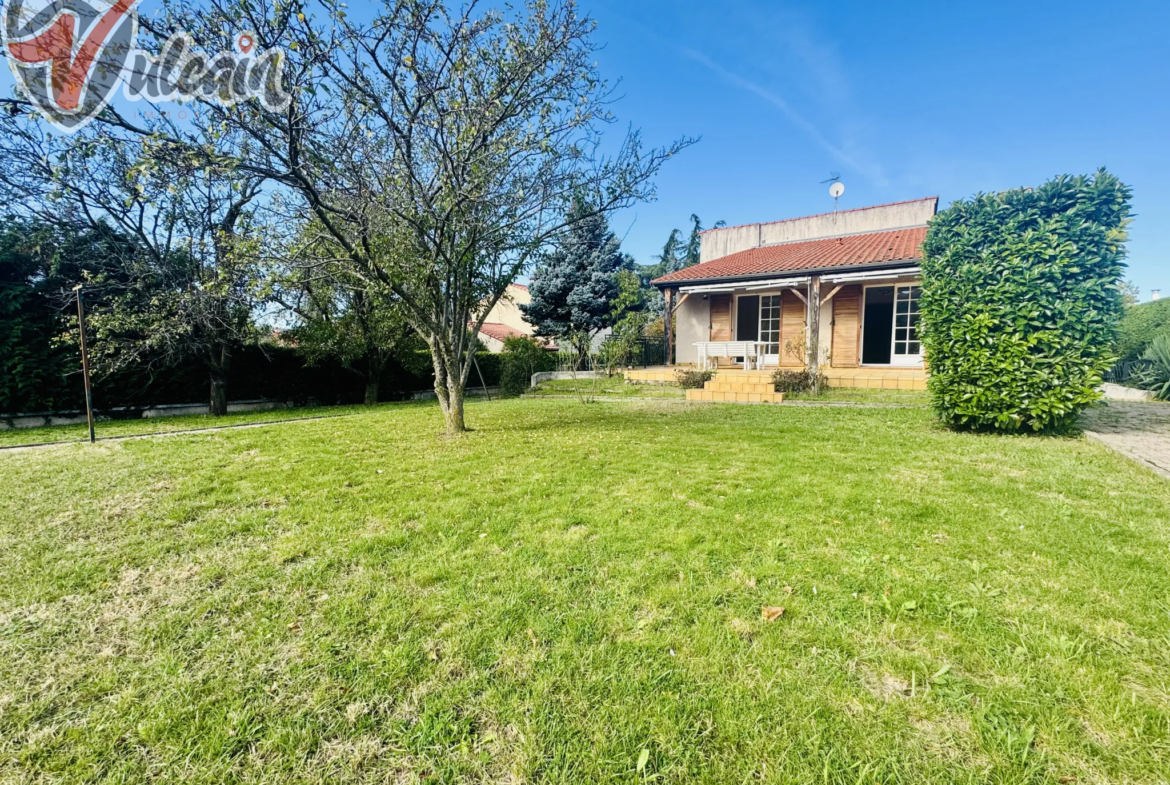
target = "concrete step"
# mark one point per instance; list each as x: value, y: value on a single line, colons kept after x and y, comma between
x: 738, y: 385
x: 719, y: 396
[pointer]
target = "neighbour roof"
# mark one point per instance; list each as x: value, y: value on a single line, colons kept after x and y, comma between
x: 850, y: 251
x: 500, y: 331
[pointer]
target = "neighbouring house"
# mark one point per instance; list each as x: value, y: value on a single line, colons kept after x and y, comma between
x: 505, y: 319
x: 837, y: 292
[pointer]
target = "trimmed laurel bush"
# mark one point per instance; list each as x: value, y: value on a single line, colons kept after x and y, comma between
x: 521, y: 358
x: 1020, y: 302
x: 795, y: 381
x: 693, y: 379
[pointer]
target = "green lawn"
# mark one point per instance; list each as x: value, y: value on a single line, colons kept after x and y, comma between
x: 614, y: 386
x: 864, y: 395
x: 121, y: 428
x: 572, y: 589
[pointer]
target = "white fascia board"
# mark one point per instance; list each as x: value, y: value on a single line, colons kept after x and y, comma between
x: 873, y: 275
x: 742, y: 285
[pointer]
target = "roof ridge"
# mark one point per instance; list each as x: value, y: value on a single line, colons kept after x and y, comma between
x: 821, y: 215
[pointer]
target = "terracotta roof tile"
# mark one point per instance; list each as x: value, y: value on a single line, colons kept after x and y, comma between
x: 500, y: 331
x: 852, y: 251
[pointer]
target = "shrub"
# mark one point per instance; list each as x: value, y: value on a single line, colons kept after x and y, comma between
x: 1140, y: 326
x: 791, y: 381
x: 1020, y: 302
x: 521, y: 358
x: 693, y: 379
x: 1155, y: 377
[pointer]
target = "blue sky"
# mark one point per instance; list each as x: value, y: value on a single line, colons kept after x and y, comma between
x: 904, y: 99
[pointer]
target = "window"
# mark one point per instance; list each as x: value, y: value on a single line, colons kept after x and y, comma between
x: 770, y: 323
x: 906, y: 314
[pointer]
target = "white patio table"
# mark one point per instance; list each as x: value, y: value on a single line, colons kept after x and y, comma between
x: 749, y: 350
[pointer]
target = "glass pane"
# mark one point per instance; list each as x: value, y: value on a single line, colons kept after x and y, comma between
x: 900, y: 334
x: 900, y: 321
x: 913, y: 348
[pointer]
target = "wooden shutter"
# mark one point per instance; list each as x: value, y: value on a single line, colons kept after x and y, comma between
x: 720, y: 317
x: 792, y: 317
x: 847, y: 327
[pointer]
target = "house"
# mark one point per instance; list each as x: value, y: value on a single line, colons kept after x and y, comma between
x: 837, y: 292
x: 505, y: 319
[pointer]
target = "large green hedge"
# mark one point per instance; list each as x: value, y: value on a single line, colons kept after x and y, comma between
x: 1140, y: 326
x: 1020, y: 302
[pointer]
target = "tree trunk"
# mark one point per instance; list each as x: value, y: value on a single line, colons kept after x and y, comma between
x: 218, y: 395
x: 449, y: 390
x: 453, y: 414
x: 218, y: 370
x: 371, y: 390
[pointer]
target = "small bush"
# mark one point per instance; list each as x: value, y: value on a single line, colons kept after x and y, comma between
x: 693, y: 379
x: 521, y: 358
x: 793, y: 381
x: 1020, y: 302
x: 1156, y: 376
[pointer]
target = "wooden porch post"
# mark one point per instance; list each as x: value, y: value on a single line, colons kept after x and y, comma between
x: 813, y: 330
x: 667, y: 317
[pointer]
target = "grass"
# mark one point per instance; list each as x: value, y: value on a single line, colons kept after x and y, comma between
x: 617, y: 388
x: 613, y: 386
x: 573, y: 589
x: 864, y: 395
x: 120, y: 428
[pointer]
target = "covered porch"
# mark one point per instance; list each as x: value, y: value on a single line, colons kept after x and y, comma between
x: 858, y: 328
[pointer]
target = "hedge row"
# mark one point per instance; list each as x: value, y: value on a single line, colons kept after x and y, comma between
x: 269, y: 372
x: 1020, y: 302
x: 1140, y: 326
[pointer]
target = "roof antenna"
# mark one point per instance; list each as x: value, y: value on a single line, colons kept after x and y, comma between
x: 836, y: 189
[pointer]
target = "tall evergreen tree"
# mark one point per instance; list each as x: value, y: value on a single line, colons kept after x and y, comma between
x: 675, y: 255
x: 575, y: 285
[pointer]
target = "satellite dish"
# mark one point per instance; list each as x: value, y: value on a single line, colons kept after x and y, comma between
x: 836, y: 189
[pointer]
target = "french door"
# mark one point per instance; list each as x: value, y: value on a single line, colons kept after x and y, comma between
x: 770, y: 328
x: 907, y: 347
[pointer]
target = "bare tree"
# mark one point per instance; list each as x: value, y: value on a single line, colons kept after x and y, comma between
x: 439, y: 148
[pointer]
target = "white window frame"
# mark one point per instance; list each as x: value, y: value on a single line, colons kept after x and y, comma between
x: 911, y: 361
x: 765, y: 359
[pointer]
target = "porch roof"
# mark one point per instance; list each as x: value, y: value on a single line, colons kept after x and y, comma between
x: 852, y: 252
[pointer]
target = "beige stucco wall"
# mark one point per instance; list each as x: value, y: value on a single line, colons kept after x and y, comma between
x: 693, y: 323
x: 507, y: 310
x: 717, y: 243
x: 490, y: 344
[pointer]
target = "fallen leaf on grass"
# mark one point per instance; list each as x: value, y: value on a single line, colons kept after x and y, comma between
x: 771, y: 612
x: 532, y: 637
